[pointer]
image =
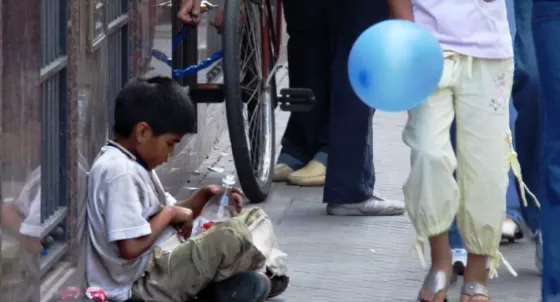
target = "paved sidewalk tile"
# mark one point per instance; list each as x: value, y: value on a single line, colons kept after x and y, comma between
x: 361, y: 258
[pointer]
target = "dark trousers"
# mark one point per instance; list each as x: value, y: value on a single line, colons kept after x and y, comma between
x: 321, y: 36
x: 309, y: 61
x: 244, y: 287
x: 546, y: 34
x: 350, y: 171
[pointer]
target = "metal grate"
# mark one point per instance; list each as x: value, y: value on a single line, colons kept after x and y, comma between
x: 116, y: 9
x: 54, y: 120
x: 53, y: 30
x: 54, y: 100
x: 50, y: 96
x: 118, y: 48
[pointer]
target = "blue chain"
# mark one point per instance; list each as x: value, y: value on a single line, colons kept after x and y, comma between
x: 190, y: 70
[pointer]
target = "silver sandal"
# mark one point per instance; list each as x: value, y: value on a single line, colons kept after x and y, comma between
x: 472, y: 289
x: 435, y: 282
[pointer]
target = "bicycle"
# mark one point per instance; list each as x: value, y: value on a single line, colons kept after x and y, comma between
x: 251, y: 37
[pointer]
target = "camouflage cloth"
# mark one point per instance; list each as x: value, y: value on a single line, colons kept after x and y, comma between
x: 178, y: 271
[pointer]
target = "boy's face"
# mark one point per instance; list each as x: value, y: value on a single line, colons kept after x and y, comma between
x: 154, y: 149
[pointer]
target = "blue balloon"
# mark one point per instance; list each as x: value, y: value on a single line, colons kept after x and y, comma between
x: 395, y: 65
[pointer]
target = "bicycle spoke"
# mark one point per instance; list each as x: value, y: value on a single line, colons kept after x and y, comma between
x: 250, y: 98
x: 251, y: 88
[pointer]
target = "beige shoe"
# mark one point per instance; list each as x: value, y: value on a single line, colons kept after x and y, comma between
x: 312, y: 175
x: 281, y: 172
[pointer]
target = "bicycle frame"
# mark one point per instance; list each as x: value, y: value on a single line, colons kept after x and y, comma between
x: 189, y: 70
x: 273, y: 35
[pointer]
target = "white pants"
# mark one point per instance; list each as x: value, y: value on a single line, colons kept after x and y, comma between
x: 475, y: 92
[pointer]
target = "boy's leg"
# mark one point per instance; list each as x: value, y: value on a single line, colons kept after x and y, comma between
x: 546, y: 31
x: 178, y: 275
x: 482, y: 116
x: 243, y: 287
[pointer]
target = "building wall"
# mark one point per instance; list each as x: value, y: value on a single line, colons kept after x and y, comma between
x: 91, y: 89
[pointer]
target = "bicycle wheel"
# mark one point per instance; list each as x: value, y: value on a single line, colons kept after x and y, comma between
x: 250, y: 95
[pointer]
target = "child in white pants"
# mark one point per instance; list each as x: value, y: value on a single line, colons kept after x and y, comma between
x: 474, y: 90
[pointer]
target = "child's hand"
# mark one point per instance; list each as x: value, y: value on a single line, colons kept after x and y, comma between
x: 184, y: 230
x: 181, y: 215
x: 235, y: 199
x: 182, y: 220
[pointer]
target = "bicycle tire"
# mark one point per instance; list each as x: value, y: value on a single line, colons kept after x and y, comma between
x: 255, y: 181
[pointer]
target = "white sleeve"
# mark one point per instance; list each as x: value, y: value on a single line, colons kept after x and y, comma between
x: 171, y: 201
x: 124, y: 207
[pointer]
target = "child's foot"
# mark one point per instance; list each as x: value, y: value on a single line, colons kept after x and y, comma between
x: 474, y: 292
x: 434, y: 288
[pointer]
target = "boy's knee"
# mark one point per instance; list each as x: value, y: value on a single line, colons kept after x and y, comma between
x: 243, y: 287
x: 234, y: 241
x: 234, y: 232
x: 258, y: 286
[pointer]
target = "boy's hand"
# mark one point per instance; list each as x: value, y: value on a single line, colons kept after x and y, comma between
x: 182, y: 220
x: 235, y: 199
x: 190, y: 12
x: 181, y: 215
x: 184, y: 230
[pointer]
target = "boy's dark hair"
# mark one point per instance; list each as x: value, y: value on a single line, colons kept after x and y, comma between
x: 158, y: 101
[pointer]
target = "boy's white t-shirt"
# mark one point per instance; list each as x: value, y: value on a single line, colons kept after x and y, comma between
x: 476, y: 28
x: 122, y: 196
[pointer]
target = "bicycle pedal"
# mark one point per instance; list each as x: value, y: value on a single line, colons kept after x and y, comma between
x: 296, y: 99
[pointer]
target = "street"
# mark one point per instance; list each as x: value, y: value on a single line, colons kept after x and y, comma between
x: 361, y: 258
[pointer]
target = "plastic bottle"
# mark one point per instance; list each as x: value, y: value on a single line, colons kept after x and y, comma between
x: 216, y: 209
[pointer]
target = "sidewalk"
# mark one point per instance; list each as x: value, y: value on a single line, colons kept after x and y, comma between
x: 361, y: 258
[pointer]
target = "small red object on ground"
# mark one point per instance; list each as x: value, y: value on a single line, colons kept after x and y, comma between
x: 96, y: 294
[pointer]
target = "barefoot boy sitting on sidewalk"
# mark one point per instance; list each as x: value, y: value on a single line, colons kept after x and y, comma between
x: 130, y: 216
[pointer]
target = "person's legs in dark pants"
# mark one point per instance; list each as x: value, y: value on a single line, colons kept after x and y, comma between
x: 350, y: 172
x: 309, y: 57
x: 525, y: 95
x: 527, y: 130
x: 546, y: 34
x: 244, y: 287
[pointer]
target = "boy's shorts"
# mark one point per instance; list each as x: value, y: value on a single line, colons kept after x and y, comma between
x: 179, y: 271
